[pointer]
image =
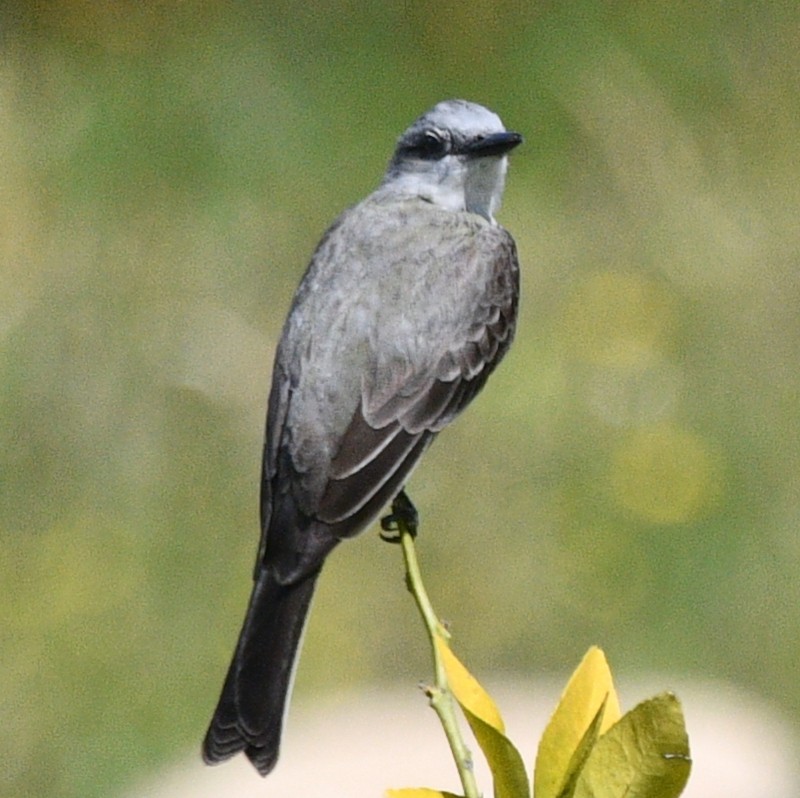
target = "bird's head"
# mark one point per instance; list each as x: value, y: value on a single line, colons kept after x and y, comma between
x: 454, y: 156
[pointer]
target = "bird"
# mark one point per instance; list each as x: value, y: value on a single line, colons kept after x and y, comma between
x: 408, y: 304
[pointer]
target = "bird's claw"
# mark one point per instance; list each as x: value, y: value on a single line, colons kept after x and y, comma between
x: 403, y: 512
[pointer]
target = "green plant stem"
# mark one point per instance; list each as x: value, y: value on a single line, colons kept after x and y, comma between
x: 439, y: 694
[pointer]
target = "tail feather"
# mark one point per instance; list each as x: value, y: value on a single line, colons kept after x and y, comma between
x: 250, y: 712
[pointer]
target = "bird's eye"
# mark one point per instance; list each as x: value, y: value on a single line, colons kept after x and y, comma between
x: 432, y: 145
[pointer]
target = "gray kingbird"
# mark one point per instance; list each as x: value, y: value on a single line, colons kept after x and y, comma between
x: 407, y: 306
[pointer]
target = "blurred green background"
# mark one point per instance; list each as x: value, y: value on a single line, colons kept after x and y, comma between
x: 629, y: 477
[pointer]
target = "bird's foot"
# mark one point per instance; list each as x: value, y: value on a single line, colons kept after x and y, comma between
x: 403, y: 512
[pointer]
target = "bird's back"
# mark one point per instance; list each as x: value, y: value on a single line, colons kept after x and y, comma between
x: 403, y: 312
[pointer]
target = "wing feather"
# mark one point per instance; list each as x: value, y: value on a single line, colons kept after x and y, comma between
x: 383, y: 438
x: 344, y: 498
x: 360, y: 445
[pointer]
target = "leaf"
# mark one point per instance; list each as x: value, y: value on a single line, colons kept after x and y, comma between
x: 644, y: 755
x: 467, y: 690
x: 419, y: 792
x: 588, y: 707
x: 505, y: 762
x: 581, y: 753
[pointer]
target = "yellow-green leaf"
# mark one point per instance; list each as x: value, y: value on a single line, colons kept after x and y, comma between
x: 588, y: 707
x: 644, y: 755
x: 505, y: 762
x: 508, y: 769
x: 467, y: 690
x: 580, y: 754
x: 419, y: 792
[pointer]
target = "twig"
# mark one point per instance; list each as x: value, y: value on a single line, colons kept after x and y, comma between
x: 439, y: 694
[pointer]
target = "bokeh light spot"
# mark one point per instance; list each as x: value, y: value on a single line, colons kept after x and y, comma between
x: 615, y: 318
x: 664, y: 475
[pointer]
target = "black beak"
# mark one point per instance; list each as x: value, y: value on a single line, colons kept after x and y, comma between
x: 494, y: 144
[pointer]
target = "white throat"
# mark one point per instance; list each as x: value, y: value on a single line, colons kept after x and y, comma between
x: 455, y: 184
x: 483, y: 189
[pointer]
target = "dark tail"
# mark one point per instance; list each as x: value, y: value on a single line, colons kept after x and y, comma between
x: 250, y: 712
